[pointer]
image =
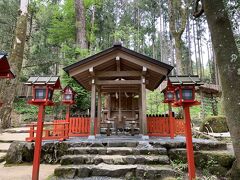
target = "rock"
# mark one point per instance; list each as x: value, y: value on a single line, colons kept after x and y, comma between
x: 84, y: 172
x: 198, y: 144
x: 52, y: 152
x: 19, y: 152
x: 66, y: 172
x: 204, y: 159
x: 215, y: 124
x: 155, y: 172
x: 112, y: 171
x: 218, y: 170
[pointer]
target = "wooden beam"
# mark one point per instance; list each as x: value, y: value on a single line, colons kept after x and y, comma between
x: 118, y: 74
x: 90, y: 64
x: 91, y: 71
x: 93, y: 106
x: 143, y: 104
x: 118, y: 63
x: 140, y: 62
x: 120, y: 82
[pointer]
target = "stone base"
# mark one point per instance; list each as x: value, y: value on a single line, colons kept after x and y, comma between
x: 91, y: 137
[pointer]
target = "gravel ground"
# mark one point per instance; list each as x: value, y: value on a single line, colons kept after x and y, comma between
x: 24, y: 172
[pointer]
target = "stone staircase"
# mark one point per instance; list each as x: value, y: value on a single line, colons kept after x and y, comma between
x: 116, y: 160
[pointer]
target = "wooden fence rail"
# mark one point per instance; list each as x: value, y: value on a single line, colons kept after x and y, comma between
x: 61, y: 129
x: 159, y: 125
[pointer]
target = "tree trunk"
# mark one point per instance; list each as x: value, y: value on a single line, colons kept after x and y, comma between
x: 228, y: 61
x: 8, y: 88
x: 80, y: 25
x: 175, y: 19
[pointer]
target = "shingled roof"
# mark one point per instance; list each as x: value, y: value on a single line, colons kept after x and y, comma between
x: 129, y: 61
x: 185, y: 80
x: 44, y: 80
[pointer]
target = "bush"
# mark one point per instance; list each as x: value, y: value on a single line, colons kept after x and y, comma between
x: 215, y: 124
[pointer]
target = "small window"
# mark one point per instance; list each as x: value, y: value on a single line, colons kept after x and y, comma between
x: 187, y: 94
x: 68, y: 97
x: 40, y: 93
x: 170, y: 96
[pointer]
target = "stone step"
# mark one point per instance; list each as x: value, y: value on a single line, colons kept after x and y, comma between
x: 115, y: 171
x: 220, y: 157
x: 116, y: 150
x: 114, y: 159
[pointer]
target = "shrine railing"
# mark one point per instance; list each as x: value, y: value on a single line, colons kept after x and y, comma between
x: 61, y: 129
x: 159, y: 125
x: 51, y: 131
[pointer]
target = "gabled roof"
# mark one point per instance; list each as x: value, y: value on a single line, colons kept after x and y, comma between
x: 44, y: 80
x: 185, y: 80
x: 118, y: 47
x: 130, y: 61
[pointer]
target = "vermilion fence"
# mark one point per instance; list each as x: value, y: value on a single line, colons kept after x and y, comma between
x: 159, y: 125
x: 61, y: 129
x: 51, y: 131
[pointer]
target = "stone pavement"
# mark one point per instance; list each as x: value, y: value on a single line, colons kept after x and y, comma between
x: 24, y: 172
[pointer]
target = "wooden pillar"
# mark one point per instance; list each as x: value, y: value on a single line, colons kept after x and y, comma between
x: 119, y: 108
x: 143, y: 104
x: 133, y: 106
x: 93, y: 106
x: 99, y: 110
x: 140, y: 112
x: 109, y: 105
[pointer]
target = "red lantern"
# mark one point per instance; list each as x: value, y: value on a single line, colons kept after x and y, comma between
x: 42, y: 89
x: 169, y: 93
x: 185, y: 94
x: 68, y: 95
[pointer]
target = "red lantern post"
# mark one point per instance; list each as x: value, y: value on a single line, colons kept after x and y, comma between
x: 184, y: 89
x: 42, y: 92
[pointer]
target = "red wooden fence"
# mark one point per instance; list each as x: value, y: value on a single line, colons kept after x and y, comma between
x: 51, y: 131
x: 61, y: 129
x: 158, y: 125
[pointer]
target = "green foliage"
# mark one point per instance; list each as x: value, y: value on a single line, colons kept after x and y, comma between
x: 8, y: 19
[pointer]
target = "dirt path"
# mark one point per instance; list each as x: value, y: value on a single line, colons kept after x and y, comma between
x: 24, y: 172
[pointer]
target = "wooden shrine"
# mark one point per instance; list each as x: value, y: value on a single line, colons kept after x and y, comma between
x: 119, y: 77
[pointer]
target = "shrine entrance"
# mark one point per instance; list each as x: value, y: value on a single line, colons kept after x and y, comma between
x: 118, y: 78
